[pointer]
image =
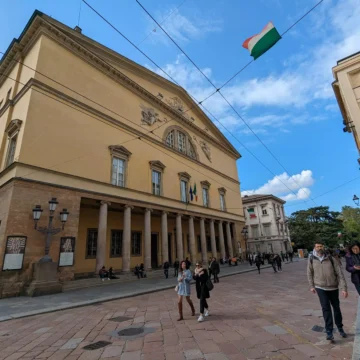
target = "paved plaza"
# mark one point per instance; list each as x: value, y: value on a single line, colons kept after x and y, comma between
x: 267, y: 316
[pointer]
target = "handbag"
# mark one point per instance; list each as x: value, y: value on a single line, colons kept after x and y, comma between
x: 176, y: 288
x: 209, y: 284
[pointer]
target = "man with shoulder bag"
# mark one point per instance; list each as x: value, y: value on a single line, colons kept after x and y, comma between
x: 326, y: 279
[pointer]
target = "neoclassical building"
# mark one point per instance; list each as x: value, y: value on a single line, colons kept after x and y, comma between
x: 266, y: 226
x: 125, y: 160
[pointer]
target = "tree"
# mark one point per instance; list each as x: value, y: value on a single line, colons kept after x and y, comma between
x: 315, y: 224
x: 351, y: 221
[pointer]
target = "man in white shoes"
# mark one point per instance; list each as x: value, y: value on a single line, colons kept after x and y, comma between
x: 201, y: 277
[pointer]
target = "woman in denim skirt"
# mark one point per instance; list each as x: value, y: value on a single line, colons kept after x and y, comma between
x: 183, y: 290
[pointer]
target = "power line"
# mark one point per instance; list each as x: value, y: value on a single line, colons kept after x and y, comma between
x: 137, y: 137
x: 221, y: 94
x: 121, y: 34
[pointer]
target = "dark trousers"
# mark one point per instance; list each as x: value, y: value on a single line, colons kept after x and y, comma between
x: 216, y: 278
x: 279, y: 266
x: 274, y: 266
x: 203, y: 304
x: 166, y: 272
x: 358, y: 288
x: 176, y: 271
x: 328, y: 299
x: 258, y: 267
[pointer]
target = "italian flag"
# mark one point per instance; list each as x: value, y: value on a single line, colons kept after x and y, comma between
x: 251, y: 213
x: 262, y: 42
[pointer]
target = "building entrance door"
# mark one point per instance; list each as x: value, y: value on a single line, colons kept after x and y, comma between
x: 154, y: 250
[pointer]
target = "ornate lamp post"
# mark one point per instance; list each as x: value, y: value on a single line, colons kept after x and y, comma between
x: 245, y: 234
x: 49, y: 230
x: 356, y: 200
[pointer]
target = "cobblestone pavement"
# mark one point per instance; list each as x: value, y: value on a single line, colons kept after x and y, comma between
x: 25, y: 306
x: 267, y: 316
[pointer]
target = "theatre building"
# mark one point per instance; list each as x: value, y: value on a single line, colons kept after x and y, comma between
x: 104, y: 162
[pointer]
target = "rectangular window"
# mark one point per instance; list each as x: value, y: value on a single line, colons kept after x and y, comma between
x: 91, y: 243
x: 183, y: 190
x: 156, y: 183
x: 136, y: 243
x: 257, y: 248
x: 270, y: 247
x: 255, y: 231
x: 205, y: 193
x: 116, y: 243
x: 267, y: 230
x: 181, y: 142
x: 208, y: 243
x: 11, y: 151
x: 118, y: 172
x: 264, y: 211
x: 199, y: 243
x: 222, y: 202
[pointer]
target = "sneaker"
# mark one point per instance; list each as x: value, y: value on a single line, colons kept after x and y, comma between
x: 109, y: 279
x: 201, y: 318
x: 342, y: 333
x: 102, y: 279
x: 329, y: 336
x: 207, y: 312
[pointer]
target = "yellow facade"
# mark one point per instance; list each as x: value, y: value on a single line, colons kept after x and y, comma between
x: 68, y: 107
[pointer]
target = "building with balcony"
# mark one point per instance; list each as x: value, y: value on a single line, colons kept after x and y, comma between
x: 347, y: 91
x: 144, y: 174
x: 266, y: 227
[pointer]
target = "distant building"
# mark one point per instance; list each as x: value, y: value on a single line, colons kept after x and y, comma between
x: 265, y: 220
x: 347, y: 91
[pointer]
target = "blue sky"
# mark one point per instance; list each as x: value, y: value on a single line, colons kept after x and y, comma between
x: 285, y: 95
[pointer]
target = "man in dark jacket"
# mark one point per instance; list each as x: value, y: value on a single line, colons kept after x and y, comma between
x: 215, y: 269
x: 353, y: 264
x: 278, y: 262
x: 326, y: 278
x: 166, y: 269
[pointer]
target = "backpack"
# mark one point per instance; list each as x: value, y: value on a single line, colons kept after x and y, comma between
x: 311, y: 257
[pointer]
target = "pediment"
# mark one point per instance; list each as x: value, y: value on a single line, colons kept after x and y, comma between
x: 119, y: 150
x: 13, y: 127
x: 157, y: 164
x: 184, y: 175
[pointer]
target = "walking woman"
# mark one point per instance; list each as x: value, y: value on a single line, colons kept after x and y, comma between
x: 353, y: 264
x: 183, y: 290
x: 201, y: 276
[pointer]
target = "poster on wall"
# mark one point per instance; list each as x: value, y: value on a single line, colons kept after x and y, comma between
x: 14, y: 253
x: 67, y: 249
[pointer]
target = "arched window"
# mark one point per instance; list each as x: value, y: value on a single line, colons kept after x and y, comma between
x: 181, y: 141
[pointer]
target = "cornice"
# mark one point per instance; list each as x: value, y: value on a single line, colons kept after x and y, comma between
x: 64, y: 97
x: 106, y: 197
x: 42, y: 27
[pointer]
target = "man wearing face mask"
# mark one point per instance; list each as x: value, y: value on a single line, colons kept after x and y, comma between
x: 326, y: 278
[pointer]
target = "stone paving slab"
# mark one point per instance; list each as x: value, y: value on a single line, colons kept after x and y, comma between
x: 15, y: 308
x: 241, y: 325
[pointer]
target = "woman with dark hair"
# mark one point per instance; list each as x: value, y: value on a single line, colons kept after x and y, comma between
x: 353, y: 264
x: 201, y: 276
x: 183, y: 289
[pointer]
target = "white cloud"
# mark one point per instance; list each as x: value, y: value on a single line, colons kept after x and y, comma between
x: 289, y: 188
x: 182, y: 28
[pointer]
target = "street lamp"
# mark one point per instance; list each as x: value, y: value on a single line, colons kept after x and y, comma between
x: 49, y: 230
x: 356, y: 200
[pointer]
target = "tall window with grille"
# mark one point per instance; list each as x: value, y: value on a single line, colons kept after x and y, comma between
x: 11, y: 150
x: 183, y: 191
x: 222, y: 202
x: 267, y: 230
x: 182, y: 142
x: 205, y: 193
x: 170, y: 139
x: 91, y: 243
x: 118, y: 172
x: 136, y: 243
x: 116, y: 243
x: 156, y: 182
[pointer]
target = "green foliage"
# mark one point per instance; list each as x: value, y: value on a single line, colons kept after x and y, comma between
x: 315, y: 224
x: 351, y: 221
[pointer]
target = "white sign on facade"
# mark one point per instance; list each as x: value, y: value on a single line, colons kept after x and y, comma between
x: 14, y: 253
x: 67, y: 249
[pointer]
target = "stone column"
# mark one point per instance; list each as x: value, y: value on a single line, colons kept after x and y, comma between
x: 212, y: 237
x: 179, y: 238
x: 164, y: 238
x: 147, y: 239
x: 192, y: 240
x: 235, y: 239
x: 126, y: 240
x: 221, y: 240
x: 229, y: 240
x: 203, y: 242
x: 102, y: 232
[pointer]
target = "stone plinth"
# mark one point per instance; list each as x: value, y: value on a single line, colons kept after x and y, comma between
x: 45, y: 280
